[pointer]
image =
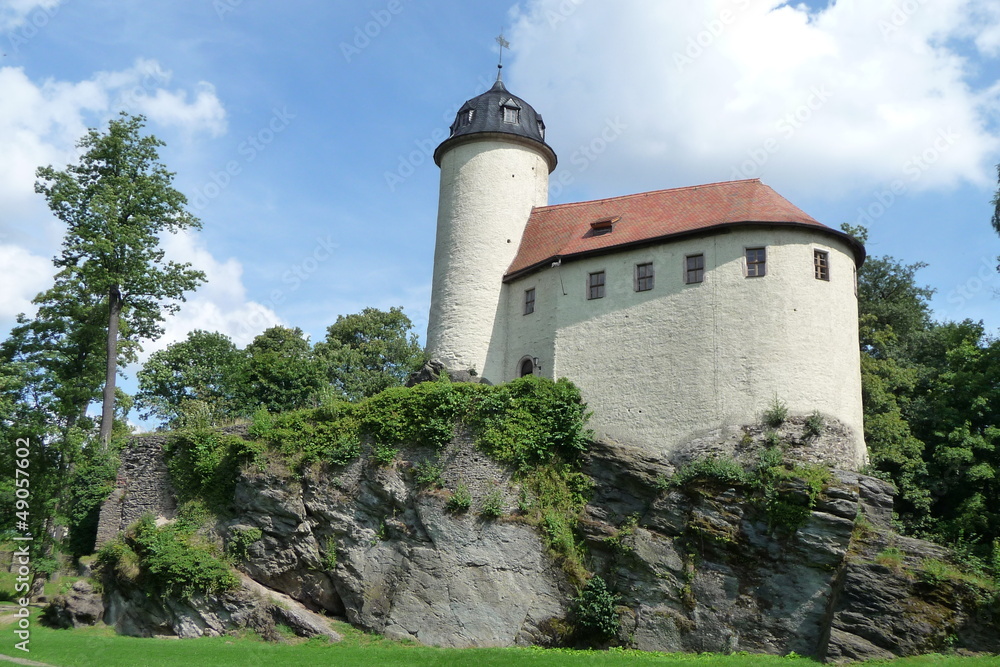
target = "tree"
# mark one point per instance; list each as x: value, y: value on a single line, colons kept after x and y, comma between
x: 893, y: 314
x: 282, y: 372
x: 205, y: 370
x: 116, y: 201
x: 370, y: 351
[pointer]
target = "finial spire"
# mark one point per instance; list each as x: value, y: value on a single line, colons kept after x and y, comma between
x: 504, y: 44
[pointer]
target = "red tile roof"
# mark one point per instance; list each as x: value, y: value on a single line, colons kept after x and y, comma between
x: 565, y: 230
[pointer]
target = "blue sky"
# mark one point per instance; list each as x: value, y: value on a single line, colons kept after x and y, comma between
x: 302, y: 131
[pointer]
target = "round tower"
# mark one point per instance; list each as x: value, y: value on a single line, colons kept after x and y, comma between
x: 495, y: 167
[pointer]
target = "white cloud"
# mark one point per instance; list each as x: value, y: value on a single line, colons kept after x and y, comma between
x: 40, y: 123
x: 19, y: 13
x: 172, y: 108
x: 25, y: 275
x: 220, y: 304
x: 859, y: 93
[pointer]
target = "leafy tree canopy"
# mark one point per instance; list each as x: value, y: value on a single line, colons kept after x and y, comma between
x: 202, y: 372
x: 370, y: 351
x: 116, y: 201
x: 282, y: 371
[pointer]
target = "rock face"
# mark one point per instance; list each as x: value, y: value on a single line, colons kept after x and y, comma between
x: 702, y: 571
x: 134, y: 612
x: 696, y: 569
x: 79, y: 607
x: 369, y: 545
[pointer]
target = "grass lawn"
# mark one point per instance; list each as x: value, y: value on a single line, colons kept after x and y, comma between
x: 101, y: 647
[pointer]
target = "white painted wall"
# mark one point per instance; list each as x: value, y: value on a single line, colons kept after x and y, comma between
x: 661, y: 367
x: 488, y: 188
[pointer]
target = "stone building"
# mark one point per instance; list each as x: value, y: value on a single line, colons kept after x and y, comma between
x: 681, y: 314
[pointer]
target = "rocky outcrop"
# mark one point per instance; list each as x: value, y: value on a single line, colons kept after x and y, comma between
x: 434, y: 370
x: 77, y: 608
x: 368, y: 544
x: 697, y: 568
x: 134, y: 612
x: 703, y: 570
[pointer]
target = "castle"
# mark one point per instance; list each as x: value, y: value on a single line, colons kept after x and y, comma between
x: 680, y: 314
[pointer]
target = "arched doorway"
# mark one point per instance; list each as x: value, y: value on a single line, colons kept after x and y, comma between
x: 527, y: 367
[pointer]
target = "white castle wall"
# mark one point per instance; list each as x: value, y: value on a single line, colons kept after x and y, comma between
x: 488, y: 188
x: 663, y: 366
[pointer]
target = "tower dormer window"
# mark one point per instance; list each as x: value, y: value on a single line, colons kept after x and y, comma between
x: 541, y: 128
x: 511, y: 111
x: 467, y: 116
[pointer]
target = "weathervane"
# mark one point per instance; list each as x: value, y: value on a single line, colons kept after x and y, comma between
x: 504, y: 44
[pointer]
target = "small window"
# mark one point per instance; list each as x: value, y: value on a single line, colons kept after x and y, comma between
x: 511, y: 115
x: 603, y: 226
x: 527, y: 367
x: 529, y: 301
x: 821, y: 264
x: 694, y: 269
x: 541, y: 128
x: 756, y: 262
x: 595, y: 285
x: 644, y: 277
x: 467, y: 116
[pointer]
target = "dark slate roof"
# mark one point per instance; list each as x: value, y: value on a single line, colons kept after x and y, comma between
x: 488, y: 119
x: 566, y: 231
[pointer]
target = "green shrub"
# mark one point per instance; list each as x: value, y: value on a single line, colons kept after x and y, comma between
x: 239, y: 543
x: 383, y: 455
x: 169, y: 560
x: 772, y: 439
x: 427, y: 474
x: 205, y: 463
x: 460, y: 500
x: 814, y: 425
x: 91, y: 483
x: 553, y: 497
x: 776, y: 414
x: 194, y: 514
x: 594, y: 610
x: 531, y: 421
x: 787, y: 509
x: 328, y: 434
x: 721, y: 469
x: 493, y: 504
x: 329, y: 556
x: 936, y: 572
x: 618, y: 542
